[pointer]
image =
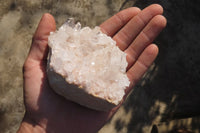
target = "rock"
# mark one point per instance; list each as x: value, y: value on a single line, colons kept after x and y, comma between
x: 86, y: 66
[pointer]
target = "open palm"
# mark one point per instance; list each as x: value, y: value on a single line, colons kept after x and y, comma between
x: 132, y: 29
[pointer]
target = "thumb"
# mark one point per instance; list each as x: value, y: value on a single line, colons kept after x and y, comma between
x: 39, y: 47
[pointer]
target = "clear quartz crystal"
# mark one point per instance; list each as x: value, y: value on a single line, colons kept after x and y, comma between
x: 88, y: 58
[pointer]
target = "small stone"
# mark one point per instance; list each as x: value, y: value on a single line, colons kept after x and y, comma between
x: 86, y: 66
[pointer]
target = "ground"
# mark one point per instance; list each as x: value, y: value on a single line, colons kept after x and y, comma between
x: 169, y: 90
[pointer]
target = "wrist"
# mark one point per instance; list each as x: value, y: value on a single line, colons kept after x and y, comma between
x: 29, y: 126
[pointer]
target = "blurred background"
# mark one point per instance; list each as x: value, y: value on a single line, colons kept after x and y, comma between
x: 167, y: 100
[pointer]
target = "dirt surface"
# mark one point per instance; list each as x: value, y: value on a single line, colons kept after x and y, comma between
x: 170, y: 89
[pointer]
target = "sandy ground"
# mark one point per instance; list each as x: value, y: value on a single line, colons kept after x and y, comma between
x: 170, y: 90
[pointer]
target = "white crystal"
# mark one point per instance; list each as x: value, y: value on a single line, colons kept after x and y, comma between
x: 90, y: 59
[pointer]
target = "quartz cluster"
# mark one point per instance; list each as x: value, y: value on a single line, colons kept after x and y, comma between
x: 90, y: 60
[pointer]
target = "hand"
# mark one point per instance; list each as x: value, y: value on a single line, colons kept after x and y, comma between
x: 132, y: 29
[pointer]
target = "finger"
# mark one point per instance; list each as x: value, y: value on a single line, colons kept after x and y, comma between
x: 136, y: 72
x: 115, y: 23
x: 130, y: 31
x: 145, y: 38
x: 39, y: 47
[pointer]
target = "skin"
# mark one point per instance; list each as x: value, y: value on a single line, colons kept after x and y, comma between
x: 46, y: 112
